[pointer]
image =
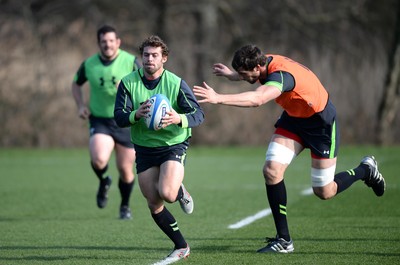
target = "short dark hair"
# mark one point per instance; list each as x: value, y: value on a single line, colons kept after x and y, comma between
x: 154, y: 41
x: 248, y: 57
x: 105, y: 29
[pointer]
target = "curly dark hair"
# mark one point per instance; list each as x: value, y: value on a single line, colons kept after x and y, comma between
x: 155, y: 41
x: 248, y: 57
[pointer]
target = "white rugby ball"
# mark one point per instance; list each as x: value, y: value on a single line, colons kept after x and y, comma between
x: 158, y: 110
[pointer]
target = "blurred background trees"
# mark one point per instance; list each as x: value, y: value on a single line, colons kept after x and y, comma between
x: 353, y: 46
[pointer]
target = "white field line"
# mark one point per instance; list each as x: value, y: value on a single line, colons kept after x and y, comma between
x: 261, y: 214
x: 248, y: 220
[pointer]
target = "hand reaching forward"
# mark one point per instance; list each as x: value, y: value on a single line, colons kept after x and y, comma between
x: 220, y: 69
x: 206, y: 93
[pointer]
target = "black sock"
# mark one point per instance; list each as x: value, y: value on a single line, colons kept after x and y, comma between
x: 169, y: 226
x: 277, y: 199
x: 346, y: 178
x: 362, y: 172
x: 125, y: 190
x: 180, y: 194
x: 99, y: 172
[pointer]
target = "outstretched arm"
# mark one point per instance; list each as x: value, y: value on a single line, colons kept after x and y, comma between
x: 256, y: 98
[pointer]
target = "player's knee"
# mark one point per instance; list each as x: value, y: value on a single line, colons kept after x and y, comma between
x: 326, y: 192
x: 273, y: 174
x: 155, y: 207
x: 323, y: 195
x: 127, y: 178
x: 126, y: 174
x: 277, y: 158
x: 99, y: 163
x: 269, y: 174
x: 168, y: 195
x: 322, y: 182
x: 99, y: 159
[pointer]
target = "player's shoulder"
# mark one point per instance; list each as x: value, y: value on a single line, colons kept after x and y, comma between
x: 276, y: 58
x: 133, y: 75
x: 94, y: 59
x: 279, y: 63
x: 171, y: 76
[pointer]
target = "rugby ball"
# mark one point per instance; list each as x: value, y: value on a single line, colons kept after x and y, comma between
x: 158, y: 110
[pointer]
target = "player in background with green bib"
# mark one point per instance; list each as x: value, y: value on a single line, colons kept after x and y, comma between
x: 161, y: 154
x: 103, y: 71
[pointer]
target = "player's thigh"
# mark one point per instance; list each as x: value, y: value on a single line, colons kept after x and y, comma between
x: 101, y: 146
x: 288, y: 142
x: 171, y: 177
x: 322, y: 176
x: 323, y: 163
x: 279, y: 155
x: 148, y: 183
x: 125, y: 156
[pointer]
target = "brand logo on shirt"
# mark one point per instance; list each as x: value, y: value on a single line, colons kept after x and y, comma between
x: 112, y: 81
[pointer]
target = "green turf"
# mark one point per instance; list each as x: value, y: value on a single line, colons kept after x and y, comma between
x: 48, y: 213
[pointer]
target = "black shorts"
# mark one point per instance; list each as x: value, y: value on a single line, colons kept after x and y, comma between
x: 319, y: 133
x: 108, y: 126
x: 147, y: 157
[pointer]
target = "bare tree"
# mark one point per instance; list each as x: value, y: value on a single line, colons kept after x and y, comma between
x: 388, y: 107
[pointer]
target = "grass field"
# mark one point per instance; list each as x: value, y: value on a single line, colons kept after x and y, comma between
x: 48, y: 213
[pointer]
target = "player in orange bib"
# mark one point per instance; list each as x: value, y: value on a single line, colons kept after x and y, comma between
x: 308, y: 121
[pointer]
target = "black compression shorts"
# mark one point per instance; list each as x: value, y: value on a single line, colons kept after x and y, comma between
x: 147, y: 157
x: 108, y: 126
x: 319, y: 133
